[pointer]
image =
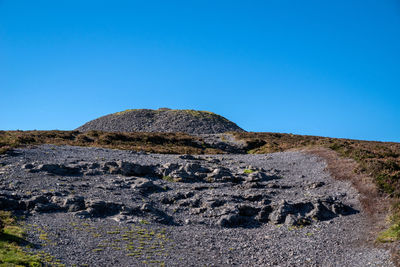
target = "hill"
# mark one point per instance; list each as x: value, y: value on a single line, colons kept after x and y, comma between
x: 162, y: 120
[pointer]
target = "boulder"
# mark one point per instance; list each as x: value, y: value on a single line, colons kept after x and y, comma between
x: 9, y: 202
x: 74, y: 203
x: 33, y: 201
x: 263, y: 214
x: 256, y: 176
x: 110, y: 167
x: 58, y: 169
x: 144, y: 185
x: 47, y: 207
x: 232, y: 220
x: 278, y: 216
x: 248, y: 211
x: 167, y: 168
x: 100, y: 208
x: 133, y: 169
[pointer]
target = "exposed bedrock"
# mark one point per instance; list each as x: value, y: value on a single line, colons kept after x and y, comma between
x: 191, y: 190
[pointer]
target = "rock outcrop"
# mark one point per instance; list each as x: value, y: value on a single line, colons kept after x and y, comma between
x: 178, y: 190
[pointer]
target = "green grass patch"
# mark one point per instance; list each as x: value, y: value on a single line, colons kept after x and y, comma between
x: 172, y: 179
x: 11, y: 243
x: 391, y: 234
x: 168, y: 178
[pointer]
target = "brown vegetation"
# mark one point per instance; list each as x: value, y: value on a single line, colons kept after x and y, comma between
x: 166, y: 143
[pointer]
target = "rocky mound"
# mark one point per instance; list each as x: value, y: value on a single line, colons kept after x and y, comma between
x: 162, y: 120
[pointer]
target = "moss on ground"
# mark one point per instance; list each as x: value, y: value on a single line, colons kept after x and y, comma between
x: 124, y: 112
x: 12, y: 242
x: 248, y: 171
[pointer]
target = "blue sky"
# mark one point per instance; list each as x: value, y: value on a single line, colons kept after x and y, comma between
x: 328, y: 68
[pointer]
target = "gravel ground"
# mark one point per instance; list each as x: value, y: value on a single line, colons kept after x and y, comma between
x: 189, y: 230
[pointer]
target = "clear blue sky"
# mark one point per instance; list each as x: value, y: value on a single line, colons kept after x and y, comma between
x: 328, y: 68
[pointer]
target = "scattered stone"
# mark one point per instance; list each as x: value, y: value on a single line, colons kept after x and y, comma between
x: 27, y: 166
x: 232, y: 194
x: 316, y: 185
x: 187, y: 157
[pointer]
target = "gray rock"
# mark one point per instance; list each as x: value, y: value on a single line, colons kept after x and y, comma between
x: 96, y: 207
x: 316, y: 185
x: 191, y: 167
x: 8, y: 202
x: 146, y: 207
x: 290, y: 219
x: 186, y: 156
x: 48, y: 207
x: 99, y: 208
x: 133, y: 169
x: 232, y: 220
x: 279, y: 214
x: 167, y: 168
x: 144, y: 185
x: 263, y: 214
x: 82, y: 214
x: 247, y: 210
x: 33, y: 201
x: 58, y: 169
x: 74, y: 203
x: 27, y: 166
x: 256, y: 176
x: 213, y: 203
x: 220, y: 174
x: 92, y: 172
x: 320, y: 212
x: 110, y: 167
